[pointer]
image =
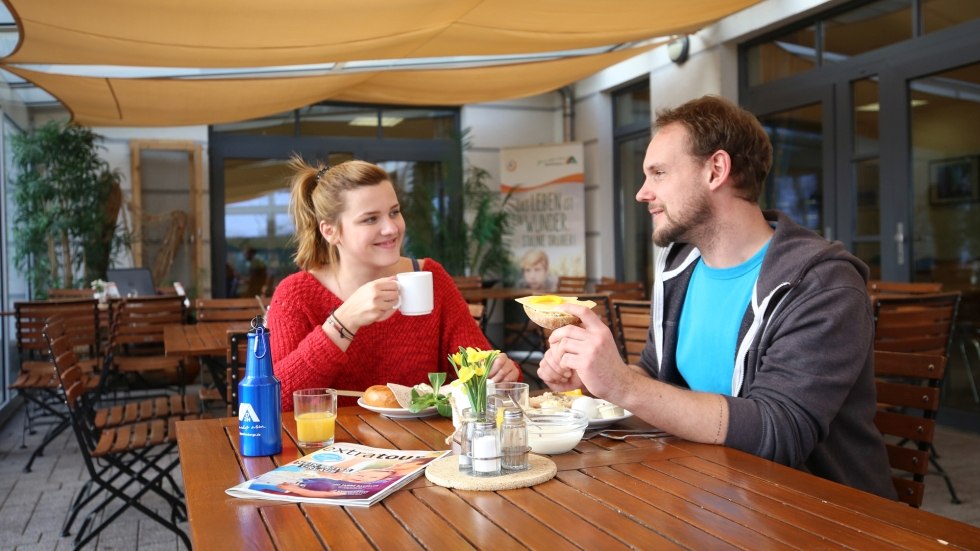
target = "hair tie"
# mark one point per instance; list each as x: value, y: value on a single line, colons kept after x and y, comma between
x: 321, y: 172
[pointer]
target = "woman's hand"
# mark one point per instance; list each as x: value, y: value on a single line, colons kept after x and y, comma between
x: 504, y: 369
x: 374, y: 301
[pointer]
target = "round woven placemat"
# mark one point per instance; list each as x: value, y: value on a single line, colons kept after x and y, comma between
x: 445, y: 472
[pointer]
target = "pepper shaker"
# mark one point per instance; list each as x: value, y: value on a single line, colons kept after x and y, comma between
x: 463, y: 440
x: 513, y: 441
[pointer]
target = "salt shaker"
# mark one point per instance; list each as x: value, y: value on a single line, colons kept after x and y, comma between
x: 513, y: 441
x: 485, y: 449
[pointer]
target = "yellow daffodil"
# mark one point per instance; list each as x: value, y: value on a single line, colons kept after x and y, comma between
x: 472, y: 366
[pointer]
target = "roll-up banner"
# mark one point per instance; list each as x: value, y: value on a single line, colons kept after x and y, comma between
x: 548, y: 221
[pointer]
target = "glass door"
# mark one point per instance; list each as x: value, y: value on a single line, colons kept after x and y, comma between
x: 800, y: 125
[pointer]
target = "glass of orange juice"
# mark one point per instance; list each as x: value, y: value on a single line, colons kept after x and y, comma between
x: 315, y: 411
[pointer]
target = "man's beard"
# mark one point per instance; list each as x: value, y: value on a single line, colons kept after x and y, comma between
x: 692, y: 220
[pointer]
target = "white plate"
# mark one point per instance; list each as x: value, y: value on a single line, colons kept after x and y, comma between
x: 398, y: 413
x: 603, y: 423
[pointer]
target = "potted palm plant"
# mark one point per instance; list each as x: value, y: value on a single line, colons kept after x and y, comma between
x: 466, y: 232
x: 67, y: 202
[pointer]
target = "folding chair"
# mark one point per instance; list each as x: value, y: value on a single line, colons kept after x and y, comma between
x: 877, y: 286
x: 632, y: 319
x: 226, y: 309
x: 571, y: 285
x: 478, y: 309
x: 908, y: 401
x: 36, y: 381
x: 237, y: 346
x: 62, y: 294
x: 137, y: 348
x: 921, y: 324
x: 124, y: 463
x: 628, y: 290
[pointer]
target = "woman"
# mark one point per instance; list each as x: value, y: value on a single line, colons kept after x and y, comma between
x: 335, y: 322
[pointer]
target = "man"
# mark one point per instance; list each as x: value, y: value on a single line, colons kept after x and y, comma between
x: 257, y: 274
x: 761, y: 333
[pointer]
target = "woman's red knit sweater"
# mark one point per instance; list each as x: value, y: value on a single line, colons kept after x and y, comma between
x: 400, y: 349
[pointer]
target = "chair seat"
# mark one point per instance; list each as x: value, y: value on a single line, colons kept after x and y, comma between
x: 140, y: 411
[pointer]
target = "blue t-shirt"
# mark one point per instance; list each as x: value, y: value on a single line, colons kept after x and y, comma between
x: 710, y: 320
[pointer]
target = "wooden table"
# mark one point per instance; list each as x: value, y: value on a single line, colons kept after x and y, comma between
x: 200, y: 339
x: 206, y: 341
x: 644, y: 493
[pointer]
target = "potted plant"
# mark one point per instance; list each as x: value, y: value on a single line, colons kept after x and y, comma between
x: 466, y: 232
x: 487, y: 225
x: 67, y: 202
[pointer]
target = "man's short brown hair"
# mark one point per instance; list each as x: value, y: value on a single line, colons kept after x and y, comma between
x: 713, y: 124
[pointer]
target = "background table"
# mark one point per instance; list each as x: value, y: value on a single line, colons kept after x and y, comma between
x: 643, y: 493
x: 206, y: 341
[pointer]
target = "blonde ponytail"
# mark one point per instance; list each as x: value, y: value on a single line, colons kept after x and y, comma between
x: 303, y: 211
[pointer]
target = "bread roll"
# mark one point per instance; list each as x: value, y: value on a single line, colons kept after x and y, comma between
x: 541, y: 310
x: 380, y: 396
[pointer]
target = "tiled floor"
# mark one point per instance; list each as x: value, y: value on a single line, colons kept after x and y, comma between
x: 33, y: 505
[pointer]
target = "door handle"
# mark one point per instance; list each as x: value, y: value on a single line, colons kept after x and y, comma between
x: 900, y: 243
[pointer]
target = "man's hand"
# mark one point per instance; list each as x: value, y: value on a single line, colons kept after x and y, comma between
x: 582, y: 356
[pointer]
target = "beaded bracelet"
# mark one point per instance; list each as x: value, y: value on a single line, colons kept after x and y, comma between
x: 342, y: 329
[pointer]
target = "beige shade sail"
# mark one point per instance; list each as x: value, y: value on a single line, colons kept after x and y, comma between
x: 259, y: 33
x: 286, y: 54
x: 176, y: 102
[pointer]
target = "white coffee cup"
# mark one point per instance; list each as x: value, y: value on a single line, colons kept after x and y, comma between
x: 414, y: 293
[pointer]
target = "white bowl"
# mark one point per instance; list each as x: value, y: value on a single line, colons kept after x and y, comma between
x: 555, y: 431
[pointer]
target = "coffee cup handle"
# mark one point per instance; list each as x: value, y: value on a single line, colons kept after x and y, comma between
x: 399, y: 301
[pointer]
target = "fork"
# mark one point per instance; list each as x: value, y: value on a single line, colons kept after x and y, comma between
x: 655, y: 434
x: 625, y: 433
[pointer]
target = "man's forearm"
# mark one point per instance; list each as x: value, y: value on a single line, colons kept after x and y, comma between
x: 696, y: 416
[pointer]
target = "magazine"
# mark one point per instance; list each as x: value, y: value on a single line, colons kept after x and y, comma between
x: 339, y: 474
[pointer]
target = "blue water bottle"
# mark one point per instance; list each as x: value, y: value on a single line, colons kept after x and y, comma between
x: 259, y: 405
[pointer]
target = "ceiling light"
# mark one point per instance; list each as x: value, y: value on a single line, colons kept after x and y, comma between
x: 373, y: 121
x: 874, y: 107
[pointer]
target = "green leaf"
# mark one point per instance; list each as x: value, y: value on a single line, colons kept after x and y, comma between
x: 436, y: 379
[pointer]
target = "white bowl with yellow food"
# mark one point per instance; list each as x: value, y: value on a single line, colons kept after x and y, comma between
x: 542, y: 309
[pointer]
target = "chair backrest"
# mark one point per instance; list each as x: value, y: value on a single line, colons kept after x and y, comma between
x: 61, y: 294
x: 877, y: 286
x: 477, y: 310
x: 908, y: 401
x: 920, y: 323
x: 237, y: 348
x: 138, y: 323
x: 468, y: 282
x: 633, y: 325
x: 629, y: 290
x: 75, y: 380
x: 571, y: 285
x: 81, y: 319
x: 226, y: 309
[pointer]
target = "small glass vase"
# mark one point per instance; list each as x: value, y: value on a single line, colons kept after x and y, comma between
x: 461, y: 399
